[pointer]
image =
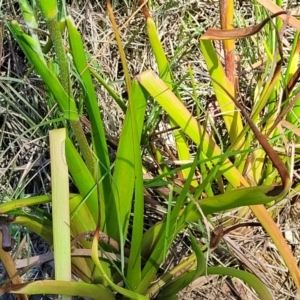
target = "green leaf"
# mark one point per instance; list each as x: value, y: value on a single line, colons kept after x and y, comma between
x: 30, y: 18
x: 37, y: 225
x: 223, y: 89
x: 166, y: 233
x: 182, y: 281
x: 175, y: 108
x: 98, y: 133
x: 127, y: 293
x: 121, y: 200
x: 11, y: 205
x: 93, y: 291
x: 83, y: 179
x: 97, y: 128
x: 211, y: 205
x: 236, y: 198
x: 48, y: 8
x: 263, y: 292
x: 137, y: 110
x: 110, y: 90
x: 183, y: 150
x: 33, y: 53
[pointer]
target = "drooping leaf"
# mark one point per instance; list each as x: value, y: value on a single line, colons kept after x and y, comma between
x: 35, y: 56
x: 263, y: 292
x: 93, y: 291
x: 238, y: 33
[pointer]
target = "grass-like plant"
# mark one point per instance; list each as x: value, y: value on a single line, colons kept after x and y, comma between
x: 107, y: 238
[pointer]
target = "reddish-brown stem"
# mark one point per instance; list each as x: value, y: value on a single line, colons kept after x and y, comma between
x: 226, y: 19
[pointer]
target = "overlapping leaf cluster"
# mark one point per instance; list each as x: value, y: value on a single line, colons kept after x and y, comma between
x: 110, y: 196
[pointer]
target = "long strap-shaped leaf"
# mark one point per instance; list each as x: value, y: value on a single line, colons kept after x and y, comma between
x: 165, y: 73
x: 36, y: 58
x: 92, y: 291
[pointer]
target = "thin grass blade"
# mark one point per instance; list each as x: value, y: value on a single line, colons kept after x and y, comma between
x: 186, y: 278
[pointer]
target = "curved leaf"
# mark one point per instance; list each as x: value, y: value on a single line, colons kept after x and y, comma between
x: 35, y: 56
x: 69, y: 288
x: 263, y: 292
x: 186, y: 278
x: 167, y: 99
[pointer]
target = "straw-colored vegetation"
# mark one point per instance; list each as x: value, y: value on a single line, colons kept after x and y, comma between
x: 151, y: 149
